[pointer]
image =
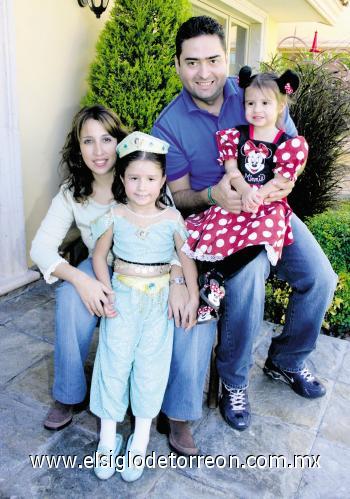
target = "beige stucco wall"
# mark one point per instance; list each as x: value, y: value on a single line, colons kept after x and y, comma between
x: 55, y: 41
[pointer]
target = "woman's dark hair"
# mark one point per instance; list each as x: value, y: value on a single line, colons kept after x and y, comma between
x: 76, y: 175
x: 197, y: 26
x: 122, y: 164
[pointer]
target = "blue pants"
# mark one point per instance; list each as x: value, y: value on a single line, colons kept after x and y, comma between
x: 306, y: 268
x: 134, y: 352
x: 74, y: 330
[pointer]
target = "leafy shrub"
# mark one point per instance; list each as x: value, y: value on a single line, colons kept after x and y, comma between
x: 332, y: 231
x: 133, y: 72
x: 321, y: 112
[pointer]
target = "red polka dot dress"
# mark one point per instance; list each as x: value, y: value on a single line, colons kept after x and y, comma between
x: 215, y: 233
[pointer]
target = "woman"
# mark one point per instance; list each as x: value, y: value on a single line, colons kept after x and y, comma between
x: 88, y: 159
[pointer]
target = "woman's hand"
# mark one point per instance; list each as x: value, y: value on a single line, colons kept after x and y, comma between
x: 178, y: 298
x: 93, y: 294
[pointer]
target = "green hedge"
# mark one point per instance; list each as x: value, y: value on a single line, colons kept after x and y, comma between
x: 332, y: 231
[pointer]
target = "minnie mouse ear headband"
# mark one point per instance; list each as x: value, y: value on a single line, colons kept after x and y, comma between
x: 288, y: 82
x: 139, y: 141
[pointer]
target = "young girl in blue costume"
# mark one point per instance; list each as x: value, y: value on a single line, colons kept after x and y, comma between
x: 136, y: 336
x: 254, y: 155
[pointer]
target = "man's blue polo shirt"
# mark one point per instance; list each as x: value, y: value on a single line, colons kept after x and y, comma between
x: 190, y: 132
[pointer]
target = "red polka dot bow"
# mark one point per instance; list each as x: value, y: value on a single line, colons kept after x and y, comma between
x: 249, y: 147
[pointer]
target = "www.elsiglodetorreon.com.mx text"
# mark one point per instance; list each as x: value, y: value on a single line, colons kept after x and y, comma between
x: 174, y: 461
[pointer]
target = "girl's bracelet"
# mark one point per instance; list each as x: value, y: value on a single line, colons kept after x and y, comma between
x: 211, y: 200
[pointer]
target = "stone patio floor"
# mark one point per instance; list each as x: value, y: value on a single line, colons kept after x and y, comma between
x: 282, y: 424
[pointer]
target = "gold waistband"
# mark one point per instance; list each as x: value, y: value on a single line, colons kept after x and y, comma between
x: 120, y: 266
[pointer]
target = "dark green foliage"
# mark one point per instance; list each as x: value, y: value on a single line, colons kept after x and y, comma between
x: 133, y: 72
x: 321, y: 112
x: 332, y: 231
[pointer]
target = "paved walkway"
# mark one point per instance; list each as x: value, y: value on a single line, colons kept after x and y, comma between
x: 282, y: 424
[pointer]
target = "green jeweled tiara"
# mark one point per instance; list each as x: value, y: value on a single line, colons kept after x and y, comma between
x: 139, y: 141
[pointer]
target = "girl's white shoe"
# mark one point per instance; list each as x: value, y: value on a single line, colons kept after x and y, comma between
x: 105, y: 465
x: 134, y: 463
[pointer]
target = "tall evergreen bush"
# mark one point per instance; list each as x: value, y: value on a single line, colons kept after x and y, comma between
x: 321, y: 112
x: 133, y: 72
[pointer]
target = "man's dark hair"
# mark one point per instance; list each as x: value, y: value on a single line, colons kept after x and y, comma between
x: 197, y: 26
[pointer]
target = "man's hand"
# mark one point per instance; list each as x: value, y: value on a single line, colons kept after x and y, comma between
x: 283, y: 188
x: 225, y: 196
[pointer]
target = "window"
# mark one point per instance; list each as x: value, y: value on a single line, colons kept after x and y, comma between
x: 236, y: 34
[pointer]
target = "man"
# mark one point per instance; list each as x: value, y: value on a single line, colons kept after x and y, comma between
x: 211, y: 101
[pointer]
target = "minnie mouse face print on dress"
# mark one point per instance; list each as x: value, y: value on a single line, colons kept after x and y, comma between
x: 255, y: 156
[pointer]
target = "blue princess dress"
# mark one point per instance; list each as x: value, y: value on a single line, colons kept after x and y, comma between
x: 134, y: 350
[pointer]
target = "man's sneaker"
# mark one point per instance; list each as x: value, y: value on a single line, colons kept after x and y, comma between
x: 59, y: 416
x: 235, y: 408
x: 303, y: 382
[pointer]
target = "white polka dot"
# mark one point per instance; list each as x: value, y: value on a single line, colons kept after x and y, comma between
x: 241, y: 218
x: 286, y: 174
x: 244, y: 231
x: 255, y: 224
x: 240, y: 242
x: 285, y: 156
x: 219, y: 243
x: 274, y: 159
x: 232, y: 239
x: 236, y: 227
x: 252, y: 236
x: 206, y: 237
x: 222, y: 221
x: 230, y: 251
x: 295, y: 142
x: 267, y: 233
x: 217, y: 208
x: 300, y: 155
x: 269, y: 222
x: 253, y: 215
x: 281, y: 223
x: 195, y: 234
x: 289, y: 165
x: 279, y: 243
x: 282, y: 146
x: 210, y: 226
x: 203, y: 248
x: 273, y: 212
x: 306, y: 145
x: 221, y: 231
x: 290, y: 235
x: 224, y: 212
x: 219, y: 255
x: 210, y: 248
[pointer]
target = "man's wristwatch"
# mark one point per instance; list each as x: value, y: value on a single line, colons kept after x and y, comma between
x: 177, y: 280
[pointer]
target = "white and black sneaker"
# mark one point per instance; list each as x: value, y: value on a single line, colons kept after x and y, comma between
x: 303, y: 382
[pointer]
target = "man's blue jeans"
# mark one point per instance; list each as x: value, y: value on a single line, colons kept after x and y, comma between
x: 308, y: 271
x: 74, y: 331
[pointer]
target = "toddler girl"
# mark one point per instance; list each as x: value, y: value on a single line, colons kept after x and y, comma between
x: 254, y: 155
